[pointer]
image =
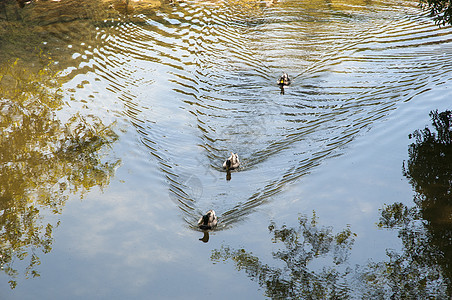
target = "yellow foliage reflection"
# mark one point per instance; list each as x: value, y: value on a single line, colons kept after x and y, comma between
x: 42, y: 161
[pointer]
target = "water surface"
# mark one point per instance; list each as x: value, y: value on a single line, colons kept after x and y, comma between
x: 149, y: 102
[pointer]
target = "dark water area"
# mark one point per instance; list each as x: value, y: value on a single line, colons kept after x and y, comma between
x: 116, y: 120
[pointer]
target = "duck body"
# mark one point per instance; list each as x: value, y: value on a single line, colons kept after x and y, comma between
x: 208, y: 221
x: 232, y: 162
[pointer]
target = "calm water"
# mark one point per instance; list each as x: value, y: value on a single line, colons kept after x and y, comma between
x: 115, y: 123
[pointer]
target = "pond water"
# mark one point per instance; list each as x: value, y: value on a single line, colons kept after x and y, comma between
x: 116, y: 120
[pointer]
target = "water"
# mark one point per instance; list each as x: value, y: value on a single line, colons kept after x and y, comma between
x: 164, y: 92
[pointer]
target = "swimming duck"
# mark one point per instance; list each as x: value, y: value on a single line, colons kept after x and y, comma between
x: 208, y: 221
x: 232, y: 162
x: 283, y: 81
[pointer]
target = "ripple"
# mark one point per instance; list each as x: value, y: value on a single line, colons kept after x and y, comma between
x: 198, y: 81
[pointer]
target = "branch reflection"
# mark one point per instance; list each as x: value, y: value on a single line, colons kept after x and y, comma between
x: 42, y: 161
x: 302, y: 246
x: 421, y: 270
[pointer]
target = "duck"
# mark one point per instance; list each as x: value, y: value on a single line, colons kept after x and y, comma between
x: 283, y: 81
x: 208, y: 221
x: 232, y: 162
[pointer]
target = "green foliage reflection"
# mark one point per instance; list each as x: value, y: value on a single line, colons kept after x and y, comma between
x: 301, y: 247
x: 42, y: 161
x: 423, y: 270
x: 413, y: 273
x: 440, y: 10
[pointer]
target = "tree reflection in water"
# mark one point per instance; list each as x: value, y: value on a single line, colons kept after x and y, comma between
x: 42, y: 161
x: 302, y: 245
x: 422, y: 270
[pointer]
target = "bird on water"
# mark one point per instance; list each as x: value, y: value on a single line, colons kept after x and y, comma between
x: 208, y: 221
x: 283, y: 81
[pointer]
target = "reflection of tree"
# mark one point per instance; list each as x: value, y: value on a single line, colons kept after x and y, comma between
x: 423, y: 269
x: 430, y: 172
x: 302, y: 245
x: 429, y: 168
x: 42, y: 160
x: 413, y: 273
x: 440, y: 10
